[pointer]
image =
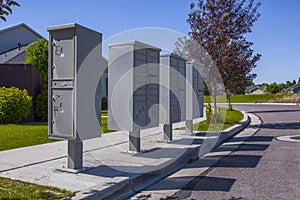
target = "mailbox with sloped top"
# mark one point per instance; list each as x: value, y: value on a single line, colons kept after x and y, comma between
x: 194, y: 94
x: 75, y: 68
x: 133, y: 89
x: 172, y: 92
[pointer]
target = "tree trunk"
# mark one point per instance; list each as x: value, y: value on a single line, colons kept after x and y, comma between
x: 215, y: 100
x: 228, y: 97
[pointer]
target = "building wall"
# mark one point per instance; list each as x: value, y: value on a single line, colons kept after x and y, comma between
x: 10, y: 38
x: 21, y: 76
x: 297, y: 90
x: 258, y: 91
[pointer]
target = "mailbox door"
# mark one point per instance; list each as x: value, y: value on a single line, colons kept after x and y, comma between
x: 63, y: 54
x: 140, y: 107
x: 62, y: 113
x: 140, y: 88
x: 198, y: 102
x: 182, y: 87
x: 152, y: 87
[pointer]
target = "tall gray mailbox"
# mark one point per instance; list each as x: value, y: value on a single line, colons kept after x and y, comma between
x: 75, y: 69
x: 133, y: 89
x: 172, y: 92
x: 194, y: 94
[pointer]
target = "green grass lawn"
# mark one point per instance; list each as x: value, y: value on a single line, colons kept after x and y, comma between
x: 14, y: 189
x: 230, y: 118
x: 21, y: 135
x: 245, y: 98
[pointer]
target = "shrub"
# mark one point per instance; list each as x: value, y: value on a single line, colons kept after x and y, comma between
x: 15, y: 104
x: 41, y: 106
x: 208, y: 112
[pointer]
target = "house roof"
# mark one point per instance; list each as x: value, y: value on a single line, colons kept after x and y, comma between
x: 14, y: 56
x: 12, y: 37
x: 293, y: 87
x: 252, y: 88
x: 17, y: 55
x: 18, y: 26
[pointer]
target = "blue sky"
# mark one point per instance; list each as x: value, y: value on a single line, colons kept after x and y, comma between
x: 276, y: 35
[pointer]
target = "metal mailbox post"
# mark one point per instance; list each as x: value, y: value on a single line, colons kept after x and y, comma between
x: 194, y: 94
x: 133, y: 89
x: 172, y: 92
x: 75, y: 68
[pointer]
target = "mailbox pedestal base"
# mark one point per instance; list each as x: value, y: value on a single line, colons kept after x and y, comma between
x: 189, y: 127
x: 168, y: 133
x: 75, y: 155
x: 135, y: 141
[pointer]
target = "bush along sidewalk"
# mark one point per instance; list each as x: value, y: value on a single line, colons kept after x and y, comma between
x: 15, y: 105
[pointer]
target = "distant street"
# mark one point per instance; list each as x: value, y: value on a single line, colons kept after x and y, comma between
x: 261, y: 168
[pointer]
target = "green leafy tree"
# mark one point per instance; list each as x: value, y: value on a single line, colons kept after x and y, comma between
x: 288, y: 84
x: 37, y: 56
x: 267, y: 89
x: 220, y: 27
x: 274, y: 88
x: 281, y: 86
x: 5, y: 8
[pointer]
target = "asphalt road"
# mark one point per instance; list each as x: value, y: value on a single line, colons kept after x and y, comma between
x: 261, y: 168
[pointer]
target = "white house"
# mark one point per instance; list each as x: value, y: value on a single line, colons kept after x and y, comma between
x: 294, y: 89
x: 255, y: 89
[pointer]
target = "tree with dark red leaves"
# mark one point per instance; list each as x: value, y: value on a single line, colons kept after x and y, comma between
x: 220, y: 27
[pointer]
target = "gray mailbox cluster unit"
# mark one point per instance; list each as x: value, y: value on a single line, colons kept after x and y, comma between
x: 194, y: 94
x: 172, y: 92
x: 133, y: 85
x: 139, y: 80
x: 75, y: 68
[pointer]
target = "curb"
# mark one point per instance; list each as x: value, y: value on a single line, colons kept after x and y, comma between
x: 128, y: 187
x: 228, y: 133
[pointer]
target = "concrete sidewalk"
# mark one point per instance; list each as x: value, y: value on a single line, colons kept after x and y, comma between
x: 112, y: 173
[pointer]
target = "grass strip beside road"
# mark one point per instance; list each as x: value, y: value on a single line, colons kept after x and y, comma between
x: 14, y: 189
x: 230, y: 119
x: 261, y: 98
